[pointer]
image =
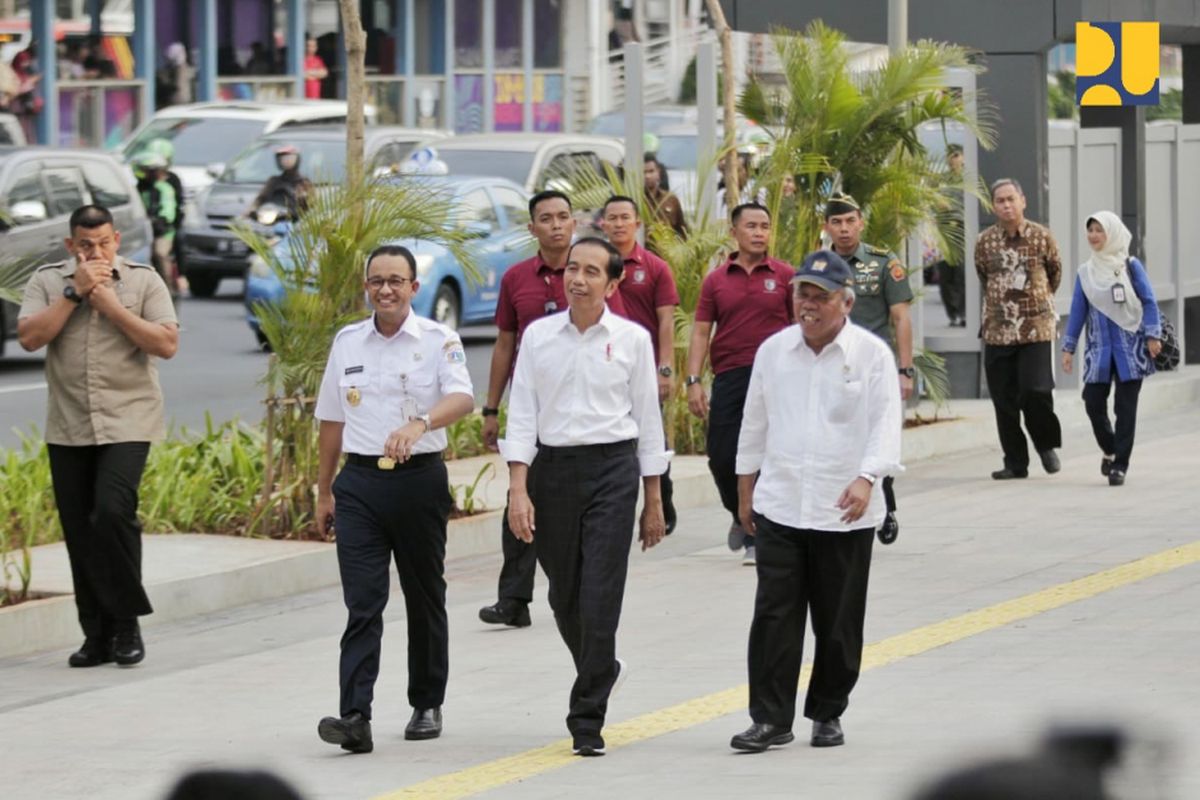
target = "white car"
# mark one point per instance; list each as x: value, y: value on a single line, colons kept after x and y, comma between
x: 206, y: 136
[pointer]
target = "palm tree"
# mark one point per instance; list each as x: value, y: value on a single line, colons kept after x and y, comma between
x: 857, y: 132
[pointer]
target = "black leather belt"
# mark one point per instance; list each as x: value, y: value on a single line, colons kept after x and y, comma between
x: 386, y: 464
x: 604, y: 450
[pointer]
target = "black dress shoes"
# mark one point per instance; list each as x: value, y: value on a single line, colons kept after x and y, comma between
x: 1116, y: 477
x: 128, y: 648
x: 828, y: 734
x: 1008, y: 474
x: 670, y: 516
x: 426, y: 723
x: 93, y: 653
x: 889, y: 530
x: 1106, y: 465
x: 1050, y: 461
x: 513, y: 613
x: 759, y: 736
x: 352, y: 732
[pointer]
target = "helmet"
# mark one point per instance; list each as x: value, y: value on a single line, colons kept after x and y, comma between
x: 162, y: 147
x: 147, y: 159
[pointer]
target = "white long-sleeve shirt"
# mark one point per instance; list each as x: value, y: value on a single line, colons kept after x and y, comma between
x: 596, y: 387
x: 814, y: 422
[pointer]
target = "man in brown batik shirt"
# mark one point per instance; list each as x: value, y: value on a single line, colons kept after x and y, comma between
x: 1019, y: 269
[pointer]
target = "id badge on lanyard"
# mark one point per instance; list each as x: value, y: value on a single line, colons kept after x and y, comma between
x: 408, y: 404
x: 1118, y: 293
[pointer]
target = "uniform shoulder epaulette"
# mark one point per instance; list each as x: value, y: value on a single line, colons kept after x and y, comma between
x: 878, y: 251
x: 52, y: 265
x: 353, y: 326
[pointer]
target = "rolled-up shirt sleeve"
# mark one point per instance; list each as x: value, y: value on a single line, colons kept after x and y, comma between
x: 653, y: 457
x: 752, y: 439
x: 520, y: 437
x: 885, y: 418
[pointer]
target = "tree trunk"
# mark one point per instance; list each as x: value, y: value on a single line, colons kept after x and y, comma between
x: 725, y: 34
x: 356, y: 51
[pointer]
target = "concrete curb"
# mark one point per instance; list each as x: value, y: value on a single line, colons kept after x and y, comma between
x: 50, y: 623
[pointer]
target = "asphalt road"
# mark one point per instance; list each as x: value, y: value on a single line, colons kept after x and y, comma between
x: 217, y: 371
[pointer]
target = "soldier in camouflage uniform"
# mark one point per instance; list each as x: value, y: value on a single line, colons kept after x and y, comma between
x: 881, y: 305
x: 1019, y: 269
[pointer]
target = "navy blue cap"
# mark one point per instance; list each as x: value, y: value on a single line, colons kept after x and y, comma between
x: 826, y: 269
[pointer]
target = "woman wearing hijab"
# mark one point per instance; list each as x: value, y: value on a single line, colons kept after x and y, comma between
x: 1124, y: 334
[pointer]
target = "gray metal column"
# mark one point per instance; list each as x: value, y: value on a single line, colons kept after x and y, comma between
x: 295, y: 45
x: 897, y: 25
x: 635, y: 70
x: 408, y: 15
x: 95, y: 9
x: 1191, y: 83
x: 706, y: 122
x: 449, y: 111
x: 206, y: 68
x: 527, y: 45
x: 1132, y: 122
x: 1016, y: 84
x: 42, y: 18
x: 489, y: 66
x: 143, y: 54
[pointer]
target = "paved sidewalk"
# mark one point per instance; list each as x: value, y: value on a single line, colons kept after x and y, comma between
x: 247, y: 686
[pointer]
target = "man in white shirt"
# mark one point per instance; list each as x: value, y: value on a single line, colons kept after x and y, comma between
x: 392, y: 383
x: 821, y: 428
x: 584, y: 401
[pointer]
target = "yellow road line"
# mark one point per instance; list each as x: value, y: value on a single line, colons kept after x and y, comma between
x: 492, y: 774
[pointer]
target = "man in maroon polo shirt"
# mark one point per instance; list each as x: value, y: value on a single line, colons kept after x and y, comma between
x: 647, y: 290
x: 529, y: 290
x: 748, y: 299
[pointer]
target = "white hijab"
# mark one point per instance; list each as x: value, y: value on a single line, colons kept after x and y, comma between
x: 1108, y: 268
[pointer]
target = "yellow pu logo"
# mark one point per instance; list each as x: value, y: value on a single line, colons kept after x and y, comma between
x: 1116, y: 63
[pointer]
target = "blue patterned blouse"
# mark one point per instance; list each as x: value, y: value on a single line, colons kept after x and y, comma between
x: 1107, y: 342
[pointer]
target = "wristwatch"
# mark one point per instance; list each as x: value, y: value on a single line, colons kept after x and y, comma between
x: 907, y: 372
x: 72, y: 295
x: 488, y: 411
x: 425, y: 419
x: 666, y: 371
x: 691, y: 380
x: 868, y: 477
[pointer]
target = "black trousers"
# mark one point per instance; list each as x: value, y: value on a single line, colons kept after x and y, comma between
x: 953, y: 289
x: 802, y: 572
x: 725, y: 408
x: 584, y: 513
x: 1021, y: 382
x: 1119, y: 443
x: 520, y: 558
x: 96, y: 491
x: 380, y: 516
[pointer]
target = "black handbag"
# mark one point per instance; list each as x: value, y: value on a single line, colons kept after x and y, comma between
x: 1167, y: 358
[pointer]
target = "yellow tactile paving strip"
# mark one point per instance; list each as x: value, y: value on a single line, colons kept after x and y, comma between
x: 492, y: 774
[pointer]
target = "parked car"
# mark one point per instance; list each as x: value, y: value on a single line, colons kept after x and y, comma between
x: 679, y: 152
x: 654, y: 119
x: 41, y: 186
x: 534, y: 160
x: 207, y: 136
x: 494, y: 210
x: 212, y: 251
x: 11, y: 132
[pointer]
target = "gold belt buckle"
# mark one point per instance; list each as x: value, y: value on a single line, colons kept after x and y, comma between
x: 385, y: 462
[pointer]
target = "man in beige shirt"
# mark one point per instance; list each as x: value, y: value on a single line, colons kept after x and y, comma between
x: 102, y: 320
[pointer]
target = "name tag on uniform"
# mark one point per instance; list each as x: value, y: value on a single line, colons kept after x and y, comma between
x: 1118, y: 292
x: 1019, y: 279
x: 354, y: 370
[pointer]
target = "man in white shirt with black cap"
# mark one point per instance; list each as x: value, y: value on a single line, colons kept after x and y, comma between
x: 821, y: 428
x: 584, y: 401
x: 393, y: 382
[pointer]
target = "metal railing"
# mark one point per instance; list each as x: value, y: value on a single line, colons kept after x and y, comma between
x: 263, y: 88
x: 419, y: 101
x: 100, y: 113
